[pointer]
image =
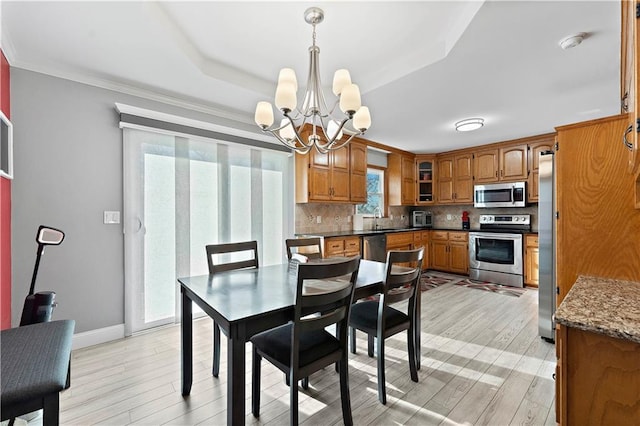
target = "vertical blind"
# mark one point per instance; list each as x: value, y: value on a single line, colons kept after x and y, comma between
x: 182, y: 193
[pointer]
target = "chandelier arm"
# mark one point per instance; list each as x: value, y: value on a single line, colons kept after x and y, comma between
x: 339, y: 145
x: 298, y: 137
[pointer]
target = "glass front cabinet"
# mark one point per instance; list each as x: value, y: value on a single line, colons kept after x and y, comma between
x: 425, y: 166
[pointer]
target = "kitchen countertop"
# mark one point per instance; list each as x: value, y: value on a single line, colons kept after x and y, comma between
x: 603, y: 305
x: 391, y: 230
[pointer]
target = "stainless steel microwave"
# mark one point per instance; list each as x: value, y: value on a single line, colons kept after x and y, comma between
x: 500, y: 195
x: 422, y: 219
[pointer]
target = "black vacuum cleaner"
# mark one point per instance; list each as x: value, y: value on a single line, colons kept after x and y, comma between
x: 39, y: 306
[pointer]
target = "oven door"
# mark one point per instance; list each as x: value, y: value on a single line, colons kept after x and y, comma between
x: 496, y: 252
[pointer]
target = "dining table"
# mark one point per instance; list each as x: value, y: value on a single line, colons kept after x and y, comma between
x: 246, y: 302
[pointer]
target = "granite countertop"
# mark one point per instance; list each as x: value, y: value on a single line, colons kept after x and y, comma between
x: 603, y: 305
x: 391, y: 230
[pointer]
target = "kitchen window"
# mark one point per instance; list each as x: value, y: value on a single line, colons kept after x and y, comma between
x: 375, y: 193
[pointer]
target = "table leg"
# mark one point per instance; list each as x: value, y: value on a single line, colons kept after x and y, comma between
x: 235, y: 378
x: 186, y: 329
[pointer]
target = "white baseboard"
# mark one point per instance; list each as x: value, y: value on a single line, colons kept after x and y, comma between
x: 95, y: 337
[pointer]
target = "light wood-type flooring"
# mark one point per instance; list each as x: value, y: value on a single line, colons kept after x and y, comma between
x: 483, y: 363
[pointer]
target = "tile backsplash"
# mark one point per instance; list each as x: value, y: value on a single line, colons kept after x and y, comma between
x: 338, y: 217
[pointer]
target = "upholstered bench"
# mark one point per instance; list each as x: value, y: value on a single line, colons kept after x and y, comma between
x: 34, y: 361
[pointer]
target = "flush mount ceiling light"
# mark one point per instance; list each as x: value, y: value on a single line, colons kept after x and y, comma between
x: 325, y: 129
x: 572, y: 41
x: 469, y: 124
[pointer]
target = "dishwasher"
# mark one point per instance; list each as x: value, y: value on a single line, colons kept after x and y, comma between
x: 375, y: 247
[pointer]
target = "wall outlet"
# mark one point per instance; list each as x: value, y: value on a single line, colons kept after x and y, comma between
x: 337, y: 218
x: 348, y: 219
x: 318, y: 219
x: 391, y: 217
x: 448, y: 217
x: 111, y: 217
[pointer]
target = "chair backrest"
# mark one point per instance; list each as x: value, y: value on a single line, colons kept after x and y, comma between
x: 217, y: 249
x: 402, y: 276
x: 325, y: 288
x: 311, y: 247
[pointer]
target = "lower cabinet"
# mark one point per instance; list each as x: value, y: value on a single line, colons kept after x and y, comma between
x: 421, y: 239
x: 597, y: 379
x: 400, y: 241
x: 450, y: 251
x: 341, y: 246
x: 531, y: 255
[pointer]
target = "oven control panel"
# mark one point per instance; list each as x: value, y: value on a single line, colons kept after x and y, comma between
x: 517, y: 219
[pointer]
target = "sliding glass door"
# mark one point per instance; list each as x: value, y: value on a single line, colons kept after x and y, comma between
x: 182, y: 194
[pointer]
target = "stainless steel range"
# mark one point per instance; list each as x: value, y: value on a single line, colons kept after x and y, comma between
x: 495, y: 253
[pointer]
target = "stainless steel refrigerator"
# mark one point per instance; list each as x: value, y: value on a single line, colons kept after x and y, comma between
x: 547, y: 246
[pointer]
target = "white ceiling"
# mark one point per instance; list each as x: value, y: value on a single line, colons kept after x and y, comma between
x: 421, y: 66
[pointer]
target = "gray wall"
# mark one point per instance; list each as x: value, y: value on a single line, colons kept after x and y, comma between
x: 68, y: 170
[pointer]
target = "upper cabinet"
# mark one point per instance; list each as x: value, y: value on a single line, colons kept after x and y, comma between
x: 501, y: 164
x: 629, y: 92
x: 333, y: 177
x: 425, y: 185
x: 455, y: 178
x: 401, y: 170
x: 536, y: 147
x: 358, y: 172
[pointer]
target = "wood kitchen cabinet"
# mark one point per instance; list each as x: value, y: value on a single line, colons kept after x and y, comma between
x: 450, y: 251
x: 400, y: 241
x: 338, y: 176
x: 505, y: 163
x: 358, y: 172
x: 535, y: 147
x: 597, y: 378
x: 401, y: 171
x: 455, y: 178
x: 425, y: 175
x: 421, y: 239
x: 531, y: 256
x: 341, y: 246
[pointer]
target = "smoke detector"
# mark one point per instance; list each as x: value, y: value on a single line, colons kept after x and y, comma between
x: 572, y: 41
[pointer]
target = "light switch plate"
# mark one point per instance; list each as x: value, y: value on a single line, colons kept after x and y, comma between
x: 111, y: 217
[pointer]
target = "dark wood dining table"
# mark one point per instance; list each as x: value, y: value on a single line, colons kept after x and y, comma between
x: 246, y: 302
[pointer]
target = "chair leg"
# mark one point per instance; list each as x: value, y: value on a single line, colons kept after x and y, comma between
x: 352, y: 337
x: 344, y: 391
x: 382, y: 389
x: 293, y: 402
x: 413, y: 368
x: 370, y: 345
x: 255, y: 383
x: 305, y: 383
x: 216, y: 350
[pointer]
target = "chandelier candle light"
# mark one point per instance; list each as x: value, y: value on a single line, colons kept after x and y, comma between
x: 314, y: 110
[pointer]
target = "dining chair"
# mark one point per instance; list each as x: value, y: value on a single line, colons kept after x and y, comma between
x: 303, y: 346
x: 311, y: 248
x: 379, y: 320
x: 215, y: 266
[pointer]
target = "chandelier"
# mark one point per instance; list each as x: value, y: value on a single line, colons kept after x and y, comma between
x: 314, y: 124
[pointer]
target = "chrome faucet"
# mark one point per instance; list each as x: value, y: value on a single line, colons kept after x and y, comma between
x: 377, y: 214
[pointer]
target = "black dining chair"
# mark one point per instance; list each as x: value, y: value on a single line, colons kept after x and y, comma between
x: 379, y: 320
x: 214, y: 251
x: 311, y: 248
x: 303, y: 346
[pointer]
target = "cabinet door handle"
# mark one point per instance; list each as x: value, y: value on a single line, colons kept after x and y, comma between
x: 496, y: 173
x: 628, y: 144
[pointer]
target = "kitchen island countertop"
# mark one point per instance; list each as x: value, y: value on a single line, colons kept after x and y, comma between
x: 603, y: 305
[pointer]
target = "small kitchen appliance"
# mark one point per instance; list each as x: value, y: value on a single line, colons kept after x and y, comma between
x: 422, y: 219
